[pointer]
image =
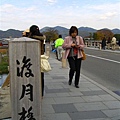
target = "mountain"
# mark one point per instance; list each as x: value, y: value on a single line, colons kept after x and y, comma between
x: 61, y: 30
x: 88, y: 29
x: 10, y: 32
x: 44, y: 29
x: 116, y: 31
x: 83, y: 31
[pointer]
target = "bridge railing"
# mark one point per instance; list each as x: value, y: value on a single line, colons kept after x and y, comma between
x: 97, y: 44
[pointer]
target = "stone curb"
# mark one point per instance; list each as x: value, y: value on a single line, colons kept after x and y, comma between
x: 102, y: 87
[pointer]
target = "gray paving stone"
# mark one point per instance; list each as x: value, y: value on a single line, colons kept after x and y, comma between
x: 57, y: 90
x: 66, y: 86
x: 87, y: 115
x: 64, y: 108
x: 58, y: 86
x: 90, y: 106
x: 112, y: 113
x: 92, y: 98
x: 48, y: 101
x: 73, y: 89
x: 96, y: 119
x: 65, y: 82
x: 55, y: 80
x: 90, y: 85
x: 58, y: 77
x: 115, y: 118
x: 63, y: 100
x: 84, y: 89
x: 107, y: 97
x: 58, y: 116
x: 50, y: 95
x: 47, y: 109
x: 63, y: 94
x: 83, y: 80
x: 94, y: 88
x: 90, y: 93
x: 75, y: 93
x: 48, y: 79
x: 112, y: 104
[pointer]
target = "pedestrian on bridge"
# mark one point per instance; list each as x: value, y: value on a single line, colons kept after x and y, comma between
x: 35, y: 34
x: 108, y: 43
x: 58, y: 45
x: 113, y: 43
x: 73, y: 44
x: 103, y: 43
x: 26, y: 33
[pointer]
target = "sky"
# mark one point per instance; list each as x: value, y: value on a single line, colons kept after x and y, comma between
x: 97, y: 14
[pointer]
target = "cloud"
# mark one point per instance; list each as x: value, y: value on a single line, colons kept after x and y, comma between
x: 8, y: 8
x: 30, y: 9
x: 21, y: 18
x: 105, y: 11
x: 51, y: 1
x: 15, y: 17
x: 105, y: 6
x: 108, y: 15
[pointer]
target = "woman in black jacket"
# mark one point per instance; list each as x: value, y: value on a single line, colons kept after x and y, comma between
x: 35, y: 34
x: 103, y: 43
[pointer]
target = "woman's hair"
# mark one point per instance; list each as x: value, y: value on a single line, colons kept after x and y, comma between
x: 34, y: 30
x: 73, y: 29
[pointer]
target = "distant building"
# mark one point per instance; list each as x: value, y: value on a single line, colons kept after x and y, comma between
x: 4, y: 41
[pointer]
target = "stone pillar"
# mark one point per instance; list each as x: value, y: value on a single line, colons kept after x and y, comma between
x: 91, y: 43
x: 64, y: 63
x: 94, y: 44
x: 25, y: 78
x: 85, y: 44
x: 97, y: 44
x: 48, y: 51
x: 100, y: 46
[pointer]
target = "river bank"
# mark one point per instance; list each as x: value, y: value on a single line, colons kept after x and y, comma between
x: 5, y: 107
x: 2, y: 78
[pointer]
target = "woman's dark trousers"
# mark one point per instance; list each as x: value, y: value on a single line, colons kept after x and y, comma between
x: 75, y: 66
x: 42, y: 82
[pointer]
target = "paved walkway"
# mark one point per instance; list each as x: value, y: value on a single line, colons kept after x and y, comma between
x: 91, y: 101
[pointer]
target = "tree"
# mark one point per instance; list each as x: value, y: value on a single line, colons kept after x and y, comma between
x: 117, y: 36
x: 91, y: 36
x: 95, y: 36
x: 51, y: 34
x: 103, y: 33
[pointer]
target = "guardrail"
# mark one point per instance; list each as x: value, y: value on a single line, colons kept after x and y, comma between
x: 97, y: 44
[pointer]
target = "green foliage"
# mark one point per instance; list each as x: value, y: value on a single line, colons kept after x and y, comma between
x: 103, y: 33
x: 51, y: 34
x: 95, y: 36
x: 117, y: 36
x: 4, y: 65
